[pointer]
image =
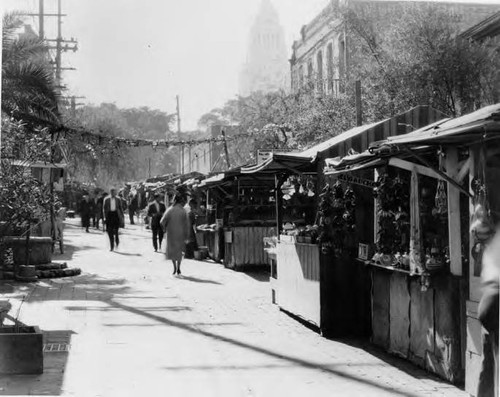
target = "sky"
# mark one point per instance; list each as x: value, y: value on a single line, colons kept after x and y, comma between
x: 145, y: 52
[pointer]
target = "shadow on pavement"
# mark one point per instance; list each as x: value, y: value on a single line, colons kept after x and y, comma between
x: 55, y: 358
x: 392, y: 360
x: 126, y: 253
x: 84, y: 287
x: 259, y: 275
x: 69, y: 251
x: 288, y: 359
x: 198, y: 280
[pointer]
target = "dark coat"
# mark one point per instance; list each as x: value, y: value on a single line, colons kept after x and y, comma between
x: 154, y: 214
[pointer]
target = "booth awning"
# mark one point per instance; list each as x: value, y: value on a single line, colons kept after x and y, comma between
x: 475, y: 127
x: 38, y: 164
x: 295, y: 162
x: 483, y: 124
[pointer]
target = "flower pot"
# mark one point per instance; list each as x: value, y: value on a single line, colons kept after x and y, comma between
x: 40, y: 247
x: 21, y: 350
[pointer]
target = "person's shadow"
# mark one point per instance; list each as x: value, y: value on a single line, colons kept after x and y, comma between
x: 198, y: 280
x: 126, y: 253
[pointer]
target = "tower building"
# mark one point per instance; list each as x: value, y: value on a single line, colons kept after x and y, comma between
x: 266, y: 68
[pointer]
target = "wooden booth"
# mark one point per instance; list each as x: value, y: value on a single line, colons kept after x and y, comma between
x: 242, y: 209
x: 322, y: 284
x: 425, y: 280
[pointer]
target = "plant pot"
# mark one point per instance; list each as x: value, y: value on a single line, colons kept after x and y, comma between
x: 21, y: 350
x: 40, y: 247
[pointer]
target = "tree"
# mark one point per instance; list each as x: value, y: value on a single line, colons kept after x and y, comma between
x: 282, y: 121
x: 418, y: 58
x: 106, y: 164
x: 25, y: 199
x: 28, y: 89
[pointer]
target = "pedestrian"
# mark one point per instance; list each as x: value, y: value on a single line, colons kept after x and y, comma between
x: 175, y: 223
x: 156, y: 209
x: 113, y: 217
x: 488, y: 313
x: 85, y: 210
x: 192, y: 244
x: 132, y: 206
x: 99, y: 211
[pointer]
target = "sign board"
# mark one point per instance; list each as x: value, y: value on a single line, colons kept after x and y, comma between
x: 357, y: 181
x: 363, y: 251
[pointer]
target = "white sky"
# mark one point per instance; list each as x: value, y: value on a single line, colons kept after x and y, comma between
x: 144, y: 52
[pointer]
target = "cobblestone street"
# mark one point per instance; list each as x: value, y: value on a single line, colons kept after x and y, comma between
x: 133, y: 329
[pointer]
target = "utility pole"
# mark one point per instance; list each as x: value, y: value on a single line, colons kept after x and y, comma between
x: 41, y: 21
x: 181, y: 168
x: 226, y: 152
x: 61, y: 45
x: 73, y: 104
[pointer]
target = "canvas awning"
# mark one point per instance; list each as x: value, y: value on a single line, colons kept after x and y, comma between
x: 479, y: 126
x: 38, y: 164
x: 295, y: 162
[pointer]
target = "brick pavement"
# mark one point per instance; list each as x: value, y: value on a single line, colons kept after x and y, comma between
x: 135, y: 330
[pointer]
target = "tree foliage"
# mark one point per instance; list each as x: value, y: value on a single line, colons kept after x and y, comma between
x: 107, y: 164
x: 419, y: 58
x: 24, y: 199
x: 28, y: 89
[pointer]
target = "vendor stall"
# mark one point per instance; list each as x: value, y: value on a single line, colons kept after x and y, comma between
x: 318, y: 278
x: 241, y: 212
x: 425, y: 284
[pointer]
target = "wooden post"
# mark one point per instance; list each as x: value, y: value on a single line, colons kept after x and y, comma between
x: 375, y: 205
x: 359, y: 110
x: 454, y: 232
x: 474, y: 279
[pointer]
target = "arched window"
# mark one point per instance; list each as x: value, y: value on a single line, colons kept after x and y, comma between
x: 329, y: 67
x: 342, y: 58
x: 310, y: 81
x: 319, y: 62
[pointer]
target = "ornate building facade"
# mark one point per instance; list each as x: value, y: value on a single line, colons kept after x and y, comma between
x: 321, y: 56
x: 266, y: 68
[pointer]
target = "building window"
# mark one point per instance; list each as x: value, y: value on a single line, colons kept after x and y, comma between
x: 301, y: 76
x: 319, y: 61
x: 310, y: 81
x: 329, y: 67
x: 342, y: 58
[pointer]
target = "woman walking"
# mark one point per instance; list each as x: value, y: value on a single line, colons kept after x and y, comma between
x: 176, y: 225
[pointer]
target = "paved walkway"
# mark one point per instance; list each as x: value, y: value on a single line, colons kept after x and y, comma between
x: 135, y: 330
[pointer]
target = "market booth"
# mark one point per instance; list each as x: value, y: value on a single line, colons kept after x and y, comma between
x: 295, y: 282
x: 317, y: 277
x: 423, y: 264
x: 242, y: 210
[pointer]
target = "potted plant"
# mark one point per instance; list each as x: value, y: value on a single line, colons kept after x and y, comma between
x: 21, y: 346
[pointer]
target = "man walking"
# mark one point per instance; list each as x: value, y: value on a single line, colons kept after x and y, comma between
x: 156, y: 209
x: 175, y: 222
x: 113, y: 217
x: 191, y: 244
x: 86, y: 210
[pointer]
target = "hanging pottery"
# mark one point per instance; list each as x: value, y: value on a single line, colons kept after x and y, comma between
x: 441, y: 201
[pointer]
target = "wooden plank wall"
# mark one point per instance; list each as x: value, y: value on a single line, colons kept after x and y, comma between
x: 423, y: 326
x: 247, y: 248
x: 298, y: 287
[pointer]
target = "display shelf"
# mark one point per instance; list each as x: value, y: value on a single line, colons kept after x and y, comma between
x: 391, y: 268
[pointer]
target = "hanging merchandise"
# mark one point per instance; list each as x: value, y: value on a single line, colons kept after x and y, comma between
x: 481, y: 225
x: 337, y: 222
x: 415, y: 233
x: 441, y: 200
